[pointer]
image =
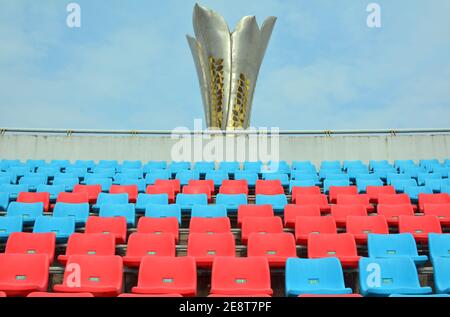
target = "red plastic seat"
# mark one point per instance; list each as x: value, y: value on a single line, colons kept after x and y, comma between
x: 291, y: 212
x: 167, y: 275
x: 374, y: 191
x: 131, y: 190
x: 240, y: 276
x: 203, y: 182
x: 276, y: 247
x: 442, y: 211
x: 150, y: 295
x: 393, y: 212
x: 89, y: 244
x: 174, y: 182
x: 159, y: 226
x: 2, y: 294
x: 300, y: 191
x: 341, y: 246
x: 32, y: 243
x: 340, y: 190
x: 341, y: 212
x: 210, y: 225
x: 319, y: 200
x: 360, y: 227
x: 147, y: 244
x: 73, y: 198
x: 205, y: 247
x: 232, y: 187
x: 162, y: 189
x: 25, y: 197
x: 269, y: 187
x: 396, y: 199
x: 432, y: 199
x: 92, y: 191
x: 44, y: 294
x: 261, y: 225
x: 360, y: 199
x: 99, y: 275
x: 253, y: 211
x: 235, y: 295
x: 116, y: 226
x: 21, y: 274
x: 304, y: 226
x: 419, y: 226
x: 198, y: 189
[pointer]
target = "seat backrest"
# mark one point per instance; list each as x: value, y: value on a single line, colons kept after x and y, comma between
x: 254, y: 211
x: 395, y: 199
x: 158, y: 226
x: 422, y: 224
x: 304, y: 226
x: 91, y: 244
x: 291, y: 212
x: 209, y: 225
x: 394, y: 211
x: 211, y: 245
x: 272, y: 245
x: 104, y: 198
x: 144, y: 244
x: 367, y: 225
x: 73, y: 198
x: 359, y: 199
x: 335, y: 191
x: 209, y: 211
x: 331, y: 245
x: 391, y: 245
x: 439, y: 245
x: 32, y: 243
x: 261, y: 225
x: 433, y: 199
x: 44, y: 198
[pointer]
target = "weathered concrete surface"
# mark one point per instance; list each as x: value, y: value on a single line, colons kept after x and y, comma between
x: 314, y: 148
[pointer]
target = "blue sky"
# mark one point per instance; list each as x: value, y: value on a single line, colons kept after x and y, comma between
x: 129, y: 65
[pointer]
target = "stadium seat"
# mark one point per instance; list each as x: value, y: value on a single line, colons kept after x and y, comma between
x: 100, y: 275
x: 441, y: 269
x: 34, y: 164
x: 8, y: 225
x: 232, y: 202
x: 164, y: 211
x: 240, y: 276
x: 394, y: 245
x: 32, y: 243
x: 152, y: 176
x: 140, y: 183
x: 424, y: 176
x: 4, y: 201
x: 217, y: 177
x: 119, y: 210
x: 155, y: 165
x: 442, y: 211
x: 359, y: 199
x: 21, y: 274
x: 79, y: 212
x: 68, y: 182
x: 204, y: 167
x: 175, y: 183
x: 150, y: 199
x: 291, y: 212
x: 92, y: 244
x: 339, y: 190
x: 105, y: 183
x: 341, y: 246
x: 255, y: 167
x: 387, y: 276
x: 198, y: 189
x: 186, y: 175
x: 141, y: 245
x: 260, y: 225
x: 300, y: 175
x: 101, y: 172
x: 159, y: 226
x: 62, y: 227
x: 419, y: 226
x: 131, y: 164
x: 303, y: 165
x: 79, y: 172
x: 401, y: 184
x: 360, y: 227
x: 176, y: 167
x: 59, y: 295
x: 254, y: 211
x: 272, y: 187
x: 91, y: 190
x: 31, y: 198
x: 276, y: 247
x: 53, y: 190
x: 204, y: 182
x: 229, y: 167
x: 89, y: 164
x: 374, y: 191
x: 328, y: 183
x: 305, y: 226
x: 110, y: 199
x: 283, y: 178
x: 209, y: 211
x: 27, y: 211
x: 204, y: 247
x: 48, y: 171
x: 364, y: 184
x: 33, y: 180
x: 209, y: 225
x: 234, y: 187
x: 319, y: 200
x: 278, y: 202
x: 167, y: 275
x: 187, y: 201
x: 162, y: 189
x: 396, y: 199
x: 308, y: 190
x: 250, y: 177
x: 432, y: 199
x: 393, y: 212
x: 131, y: 190
x: 414, y: 191
x: 315, y: 276
x: 301, y: 183
x: 341, y: 212
x: 439, y: 245
x: 116, y: 226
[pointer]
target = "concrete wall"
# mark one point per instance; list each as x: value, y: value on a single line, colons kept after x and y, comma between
x: 314, y: 148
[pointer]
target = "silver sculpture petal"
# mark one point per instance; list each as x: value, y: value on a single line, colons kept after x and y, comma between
x: 228, y: 65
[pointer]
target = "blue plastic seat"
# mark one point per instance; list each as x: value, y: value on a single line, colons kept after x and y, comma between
x: 424, y: 176
x: 114, y: 199
x: 349, y: 164
x: 33, y: 180
x: 330, y: 165
x: 209, y: 211
x: 186, y: 201
x: 8, y: 225
x: 154, y: 165
x: 104, y: 182
x: 441, y: 268
x: 324, y: 173
x: 250, y: 177
x: 89, y: 164
x: 54, y: 190
x: 254, y: 167
x: 34, y: 164
x: 334, y: 182
x: 150, y: 199
x: 217, y: 177
x: 445, y: 189
x: 229, y: 167
x: 387, y: 276
x: 439, y: 245
x: 127, y: 164
x: 377, y: 164
x: 400, y: 184
x: 402, y: 164
x: 414, y: 172
x: 119, y: 210
x: 436, y: 184
x: 443, y: 170
x: 394, y: 245
x: 63, y: 227
x: 163, y: 211
x: 278, y: 167
x: 28, y: 211
x: 176, y: 167
x: 363, y: 183
x: 59, y: 163
x: 204, y: 167
x: 283, y: 178
x: 301, y: 183
x: 4, y: 201
x: 13, y: 190
x: 79, y: 212
x: 128, y: 174
x: 359, y: 173
x: 68, y: 182
x: 315, y: 276
x: 302, y: 175
x: 429, y: 164
x: 186, y: 175
x: 278, y: 202
x: 7, y: 178
x: 77, y: 171
x: 414, y: 191
x: 49, y: 171
x: 382, y: 173
x: 231, y: 201
x: 303, y: 166
x: 19, y: 171
x: 108, y: 164
x: 151, y: 177
x: 392, y: 176
x: 107, y: 172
